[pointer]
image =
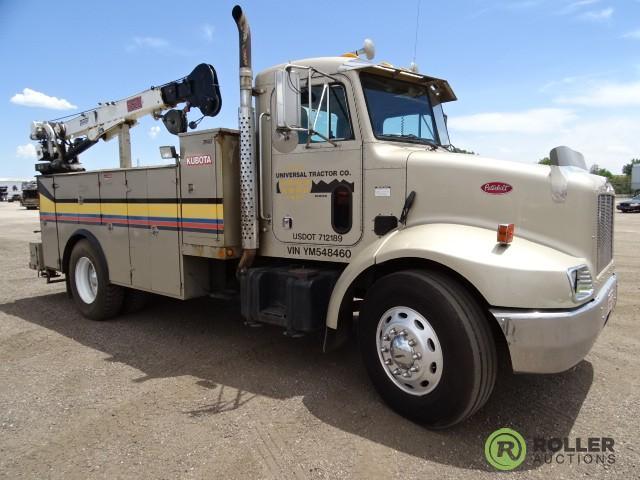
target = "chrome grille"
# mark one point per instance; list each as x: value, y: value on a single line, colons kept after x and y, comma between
x: 605, y: 231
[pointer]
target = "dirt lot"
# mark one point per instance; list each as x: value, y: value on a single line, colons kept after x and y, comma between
x: 185, y: 390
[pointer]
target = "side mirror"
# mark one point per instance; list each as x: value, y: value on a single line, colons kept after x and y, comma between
x: 287, y: 99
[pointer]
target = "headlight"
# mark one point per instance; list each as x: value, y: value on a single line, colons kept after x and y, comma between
x: 581, y: 282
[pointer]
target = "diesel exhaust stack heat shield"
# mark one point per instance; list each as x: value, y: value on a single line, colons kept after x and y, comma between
x: 248, y: 190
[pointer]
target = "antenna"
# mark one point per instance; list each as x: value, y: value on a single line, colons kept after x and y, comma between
x: 414, y: 65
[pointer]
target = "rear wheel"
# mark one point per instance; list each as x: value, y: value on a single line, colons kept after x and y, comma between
x: 92, y: 293
x: 427, y: 347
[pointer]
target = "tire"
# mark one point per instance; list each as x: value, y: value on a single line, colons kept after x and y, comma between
x: 457, y: 363
x: 135, y: 300
x: 94, y: 296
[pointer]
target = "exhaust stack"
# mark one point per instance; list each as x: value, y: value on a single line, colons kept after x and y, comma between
x: 248, y: 189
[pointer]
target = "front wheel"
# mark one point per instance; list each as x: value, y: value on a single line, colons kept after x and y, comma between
x: 427, y: 347
x: 92, y: 293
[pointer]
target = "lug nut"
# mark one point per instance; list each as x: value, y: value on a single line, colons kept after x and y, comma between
x: 387, y: 361
x: 406, y: 374
x: 412, y: 342
x: 396, y: 371
x: 414, y: 369
x: 384, y: 349
x: 392, y: 331
x: 403, y: 333
x: 385, y: 338
x: 417, y: 356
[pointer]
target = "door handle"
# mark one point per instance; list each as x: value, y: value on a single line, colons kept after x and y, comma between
x: 154, y: 230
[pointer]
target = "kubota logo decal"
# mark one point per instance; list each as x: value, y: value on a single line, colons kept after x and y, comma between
x: 496, y: 188
x: 198, y: 160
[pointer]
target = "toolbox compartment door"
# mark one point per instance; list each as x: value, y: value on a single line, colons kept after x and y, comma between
x: 139, y: 231
x: 165, y: 251
x: 48, y: 224
x: 114, y: 230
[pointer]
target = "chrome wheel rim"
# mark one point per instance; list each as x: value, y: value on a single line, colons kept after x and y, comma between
x: 409, y: 350
x: 86, y: 280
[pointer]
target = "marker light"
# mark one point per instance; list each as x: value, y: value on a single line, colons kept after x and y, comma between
x: 505, y: 233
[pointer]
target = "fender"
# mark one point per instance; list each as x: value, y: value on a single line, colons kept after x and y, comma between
x: 73, y: 239
x: 523, y: 274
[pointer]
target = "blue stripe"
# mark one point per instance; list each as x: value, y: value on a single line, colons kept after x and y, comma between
x: 200, y: 230
x: 203, y: 220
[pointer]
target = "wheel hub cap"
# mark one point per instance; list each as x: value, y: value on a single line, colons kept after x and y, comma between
x: 409, y: 350
x: 86, y: 279
x: 402, y: 352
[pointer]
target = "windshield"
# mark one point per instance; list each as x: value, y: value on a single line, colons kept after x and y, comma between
x: 402, y: 111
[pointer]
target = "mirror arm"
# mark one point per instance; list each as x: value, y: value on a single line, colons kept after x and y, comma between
x: 313, y: 132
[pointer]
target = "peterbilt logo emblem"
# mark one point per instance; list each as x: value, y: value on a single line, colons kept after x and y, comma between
x: 496, y: 188
x: 198, y: 160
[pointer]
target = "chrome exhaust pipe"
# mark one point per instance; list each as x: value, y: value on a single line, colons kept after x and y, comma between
x: 246, y: 125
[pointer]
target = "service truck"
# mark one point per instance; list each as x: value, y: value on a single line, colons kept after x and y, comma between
x: 30, y: 198
x: 339, y: 208
x: 635, y: 178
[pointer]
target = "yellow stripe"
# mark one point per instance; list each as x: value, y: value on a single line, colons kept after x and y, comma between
x: 66, y: 207
x: 114, y: 209
x: 91, y: 208
x: 46, y: 205
x: 206, y: 211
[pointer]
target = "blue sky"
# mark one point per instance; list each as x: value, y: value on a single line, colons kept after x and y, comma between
x: 529, y: 74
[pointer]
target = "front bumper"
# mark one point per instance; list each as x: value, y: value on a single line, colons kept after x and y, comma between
x: 553, y: 341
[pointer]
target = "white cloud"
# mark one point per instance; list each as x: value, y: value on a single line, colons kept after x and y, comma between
x: 633, y: 35
x: 572, y: 7
x: 150, y: 42
x: 609, y: 141
x: 207, y: 32
x: 26, y: 151
x: 597, y: 15
x: 605, y: 95
x: 155, y: 44
x: 33, y: 98
x: 533, y: 121
x: 154, y: 131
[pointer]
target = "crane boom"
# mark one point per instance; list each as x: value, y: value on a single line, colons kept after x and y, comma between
x: 60, y: 142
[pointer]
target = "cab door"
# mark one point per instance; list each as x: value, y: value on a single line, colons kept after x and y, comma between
x: 317, y: 187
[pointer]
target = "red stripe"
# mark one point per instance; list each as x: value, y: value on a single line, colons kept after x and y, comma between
x: 203, y: 226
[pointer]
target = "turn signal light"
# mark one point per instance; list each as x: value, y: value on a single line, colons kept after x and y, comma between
x: 505, y: 233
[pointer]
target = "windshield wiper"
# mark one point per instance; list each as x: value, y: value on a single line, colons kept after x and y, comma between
x: 412, y: 138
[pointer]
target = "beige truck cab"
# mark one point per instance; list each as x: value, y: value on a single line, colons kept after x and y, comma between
x: 350, y: 214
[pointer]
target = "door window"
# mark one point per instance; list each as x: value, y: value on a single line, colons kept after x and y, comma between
x: 328, y: 116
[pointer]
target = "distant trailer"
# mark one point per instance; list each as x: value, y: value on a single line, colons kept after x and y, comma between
x: 635, y: 178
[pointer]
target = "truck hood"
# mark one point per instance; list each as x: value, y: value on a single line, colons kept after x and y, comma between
x: 553, y: 206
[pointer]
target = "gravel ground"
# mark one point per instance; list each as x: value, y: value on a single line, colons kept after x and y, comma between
x: 184, y: 390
